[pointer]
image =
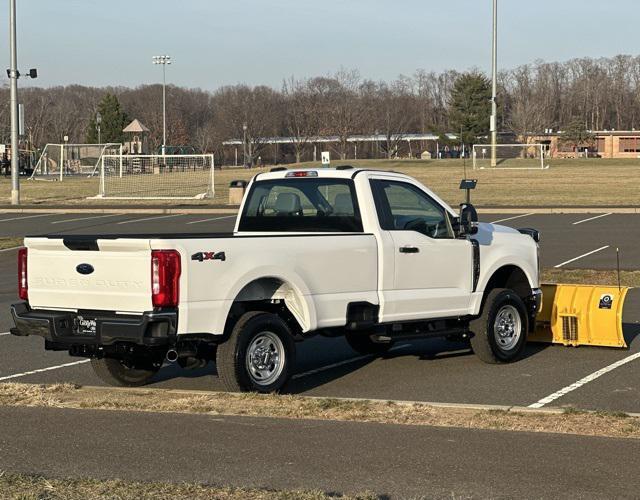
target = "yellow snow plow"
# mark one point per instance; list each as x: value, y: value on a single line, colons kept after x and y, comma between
x: 576, y: 315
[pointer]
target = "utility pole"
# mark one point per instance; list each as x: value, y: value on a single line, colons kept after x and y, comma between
x: 163, y: 60
x: 13, y: 76
x: 493, y: 126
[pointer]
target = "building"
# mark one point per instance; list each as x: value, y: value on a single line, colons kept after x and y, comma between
x: 606, y: 144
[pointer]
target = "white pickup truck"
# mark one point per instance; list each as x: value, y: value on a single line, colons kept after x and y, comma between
x: 371, y: 255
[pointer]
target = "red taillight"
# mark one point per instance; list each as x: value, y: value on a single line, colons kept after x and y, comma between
x: 23, y: 286
x: 165, y: 278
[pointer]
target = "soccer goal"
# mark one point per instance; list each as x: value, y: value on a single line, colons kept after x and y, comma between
x: 160, y: 177
x: 509, y: 156
x: 60, y: 160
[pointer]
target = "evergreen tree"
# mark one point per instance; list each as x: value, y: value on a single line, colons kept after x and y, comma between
x: 577, y: 135
x: 470, y: 106
x: 113, y: 121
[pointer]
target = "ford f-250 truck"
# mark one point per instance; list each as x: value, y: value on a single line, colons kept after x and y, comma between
x: 371, y: 255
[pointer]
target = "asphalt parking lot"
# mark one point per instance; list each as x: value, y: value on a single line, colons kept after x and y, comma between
x: 426, y: 370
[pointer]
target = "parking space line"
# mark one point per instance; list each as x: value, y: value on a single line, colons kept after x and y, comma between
x: 28, y: 217
x: 149, y: 218
x: 512, y: 218
x: 214, y: 218
x: 583, y: 381
x: 40, y: 370
x: 85, y: 218
x: 582, y: 256
x: 5, y: 333
x: 9, y: 249
x: 342, y: 363
x: 591, y: 218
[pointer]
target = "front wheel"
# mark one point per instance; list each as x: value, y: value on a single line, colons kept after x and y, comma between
x: 500, y: 333
x: 120, y: 373
x: 259, y: 355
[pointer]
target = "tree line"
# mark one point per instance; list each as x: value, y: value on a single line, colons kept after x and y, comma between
x: 599, y: 93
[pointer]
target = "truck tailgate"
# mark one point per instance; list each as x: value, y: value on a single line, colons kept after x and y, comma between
x: 117, y: 276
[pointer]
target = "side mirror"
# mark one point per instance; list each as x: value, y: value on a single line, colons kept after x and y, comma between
x: 468, y: 219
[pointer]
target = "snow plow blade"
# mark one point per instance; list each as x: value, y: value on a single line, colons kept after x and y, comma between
x: 575, y: 315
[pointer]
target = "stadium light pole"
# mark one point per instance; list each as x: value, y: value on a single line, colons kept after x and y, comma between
x: 493, y: 125
x: 163, y: 60
x: 13, y: 77
x: 98, y: 122
x: 244, y: 145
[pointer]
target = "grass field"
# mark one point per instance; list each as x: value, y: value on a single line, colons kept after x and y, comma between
x: 592, y: 182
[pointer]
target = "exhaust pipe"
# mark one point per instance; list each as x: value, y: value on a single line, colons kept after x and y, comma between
x: 172, y: 355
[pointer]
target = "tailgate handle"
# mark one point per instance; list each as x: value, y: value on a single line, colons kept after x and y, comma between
x: 81, y: 244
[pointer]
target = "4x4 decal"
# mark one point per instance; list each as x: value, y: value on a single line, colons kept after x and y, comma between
x: 202, y: 256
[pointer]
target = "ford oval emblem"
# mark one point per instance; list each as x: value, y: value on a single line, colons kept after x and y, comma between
x: 84, y: 268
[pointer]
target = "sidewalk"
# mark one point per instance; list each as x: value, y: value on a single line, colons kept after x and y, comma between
x: 343, y: 457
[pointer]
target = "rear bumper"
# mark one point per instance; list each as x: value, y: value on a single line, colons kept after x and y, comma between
x: 61, y: 329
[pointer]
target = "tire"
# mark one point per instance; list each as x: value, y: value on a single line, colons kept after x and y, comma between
x: 500, y: 332
x: 114, y: 372
x: 258, y: 356
x: 362, y: 344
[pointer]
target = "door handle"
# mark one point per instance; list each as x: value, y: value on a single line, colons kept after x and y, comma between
x: 409, y: 250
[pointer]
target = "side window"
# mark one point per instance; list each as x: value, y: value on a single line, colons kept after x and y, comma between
x: 403, y: 207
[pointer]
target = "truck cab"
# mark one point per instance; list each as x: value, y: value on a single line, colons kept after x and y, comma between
x: 371, y: 255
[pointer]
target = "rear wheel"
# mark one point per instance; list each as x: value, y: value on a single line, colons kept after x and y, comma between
x: 258, y: 356
x: 361, y: 343
x: 119, y: 373
x: 500, y: 333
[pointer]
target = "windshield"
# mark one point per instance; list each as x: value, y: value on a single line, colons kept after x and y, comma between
x: 302, y: 205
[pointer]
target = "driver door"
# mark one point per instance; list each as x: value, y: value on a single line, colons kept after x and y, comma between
x: 433, y: 269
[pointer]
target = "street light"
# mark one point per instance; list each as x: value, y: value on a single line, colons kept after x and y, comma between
x: 13, y: 75
x: 98, y: 122
x: 493, y: 125
x: 163, y: 60
x: 244, y: 144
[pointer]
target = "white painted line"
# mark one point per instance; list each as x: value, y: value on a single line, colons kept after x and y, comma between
x: 591, y: 218
x: 214, y: 218
x: 27, y: 217
x: 342, y: 363
x: 9, y: 249
x: 32, y: 372
x: 149, y: 218
x: 583, y: 381
x: 86, y: 218
x: 582, y: 256
x: 511, y: 218
x: 5, y: 333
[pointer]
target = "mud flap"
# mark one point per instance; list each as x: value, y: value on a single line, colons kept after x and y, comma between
x: 575, y: 315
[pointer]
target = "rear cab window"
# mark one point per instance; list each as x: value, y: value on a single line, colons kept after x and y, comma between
x: 308, y: 204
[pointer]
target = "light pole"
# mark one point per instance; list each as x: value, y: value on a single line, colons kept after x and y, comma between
x: 163, y: 60
x: 244, y: 145
x: 493, y: 125
x: 13, y: 76
x: 98, y: 122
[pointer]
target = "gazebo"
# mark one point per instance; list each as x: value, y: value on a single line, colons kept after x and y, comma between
x: 137, y: 138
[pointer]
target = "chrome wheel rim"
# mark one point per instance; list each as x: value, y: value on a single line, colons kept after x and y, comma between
x: 265, y: 358
x: 507, y: 327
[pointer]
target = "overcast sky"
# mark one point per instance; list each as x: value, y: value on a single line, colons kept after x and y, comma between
x: 220, y: 42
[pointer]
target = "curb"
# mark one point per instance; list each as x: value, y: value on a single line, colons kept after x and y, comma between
x: 234, y: 210
x: 432, y: 404
x: 129, y: 210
